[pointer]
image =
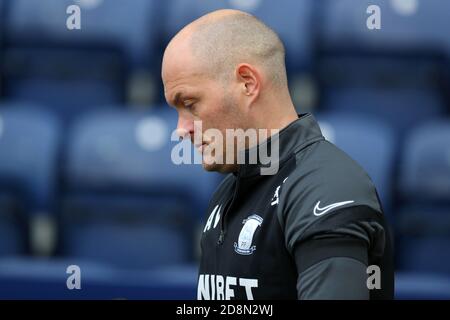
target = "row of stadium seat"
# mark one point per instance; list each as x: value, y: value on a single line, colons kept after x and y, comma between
x: 127, y: 215
x: 400, y: 72
x: 117, y: 194
x: 137, y: 26
x: 47, y: 279
x: 31, y: 278
x: 114, y: 185
x: 103, y: 193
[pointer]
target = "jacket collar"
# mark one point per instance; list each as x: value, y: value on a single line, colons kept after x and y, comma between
x: 294, y: 137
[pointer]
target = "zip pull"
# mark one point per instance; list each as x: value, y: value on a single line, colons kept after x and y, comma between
x: 221, y: 236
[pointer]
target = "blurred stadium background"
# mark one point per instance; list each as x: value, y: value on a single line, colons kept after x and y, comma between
x: 85, y: 171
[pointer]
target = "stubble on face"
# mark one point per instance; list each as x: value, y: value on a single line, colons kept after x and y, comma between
x: 228, y: 117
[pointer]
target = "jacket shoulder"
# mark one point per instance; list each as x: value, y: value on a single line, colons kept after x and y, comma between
x: 324, y: 181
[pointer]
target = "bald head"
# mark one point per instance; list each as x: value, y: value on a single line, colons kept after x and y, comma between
x: 220, y: 40
x: 226, y: 71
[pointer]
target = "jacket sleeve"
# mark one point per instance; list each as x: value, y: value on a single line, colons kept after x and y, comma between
x: 333, y: 264
x: 333, y: 226
x: 336, y: 278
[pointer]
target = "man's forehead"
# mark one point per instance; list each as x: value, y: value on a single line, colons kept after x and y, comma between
x: 182, y: 80
x: 179, y: 66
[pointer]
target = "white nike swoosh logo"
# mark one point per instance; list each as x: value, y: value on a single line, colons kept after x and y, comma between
x: 320, y: 211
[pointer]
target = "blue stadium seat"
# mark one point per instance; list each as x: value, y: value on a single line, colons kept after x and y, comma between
x: 29, y: 141
x: 397, y: 72
x: 2, y: 30
x: 2, y: 18
x: 401, y: 108
x: 125, y: 202
x: 13, y: 225
x: 291, y: 19
x: 405, y: 25
x: 424, y: 216
x: 425, y: 162
x: 69, y: 70
x: 369, y: 141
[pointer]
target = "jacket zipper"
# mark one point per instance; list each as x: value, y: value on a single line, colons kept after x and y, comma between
x: 222, y: 222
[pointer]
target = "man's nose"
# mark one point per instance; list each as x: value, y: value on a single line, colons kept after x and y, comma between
x: 185, y: 128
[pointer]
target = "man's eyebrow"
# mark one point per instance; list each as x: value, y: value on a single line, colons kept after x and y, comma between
x: 179, y: 97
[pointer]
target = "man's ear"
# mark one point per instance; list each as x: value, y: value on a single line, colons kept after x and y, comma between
x: 249, y: 79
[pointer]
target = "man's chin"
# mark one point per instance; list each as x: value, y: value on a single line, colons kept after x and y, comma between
x: 221, y: 168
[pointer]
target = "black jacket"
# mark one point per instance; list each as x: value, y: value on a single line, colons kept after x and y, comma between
x: 307, y: 232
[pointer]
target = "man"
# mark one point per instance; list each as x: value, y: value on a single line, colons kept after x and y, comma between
x: 312, y: 228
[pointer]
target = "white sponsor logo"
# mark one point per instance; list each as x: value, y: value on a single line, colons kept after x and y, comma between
x: 216, y: 213
x: 244, y: 244
x: 217, y: 287
x: 276, y: 196
x: 320, y: 211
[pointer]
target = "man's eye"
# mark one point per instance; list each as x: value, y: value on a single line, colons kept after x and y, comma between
x: 189, y: 105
